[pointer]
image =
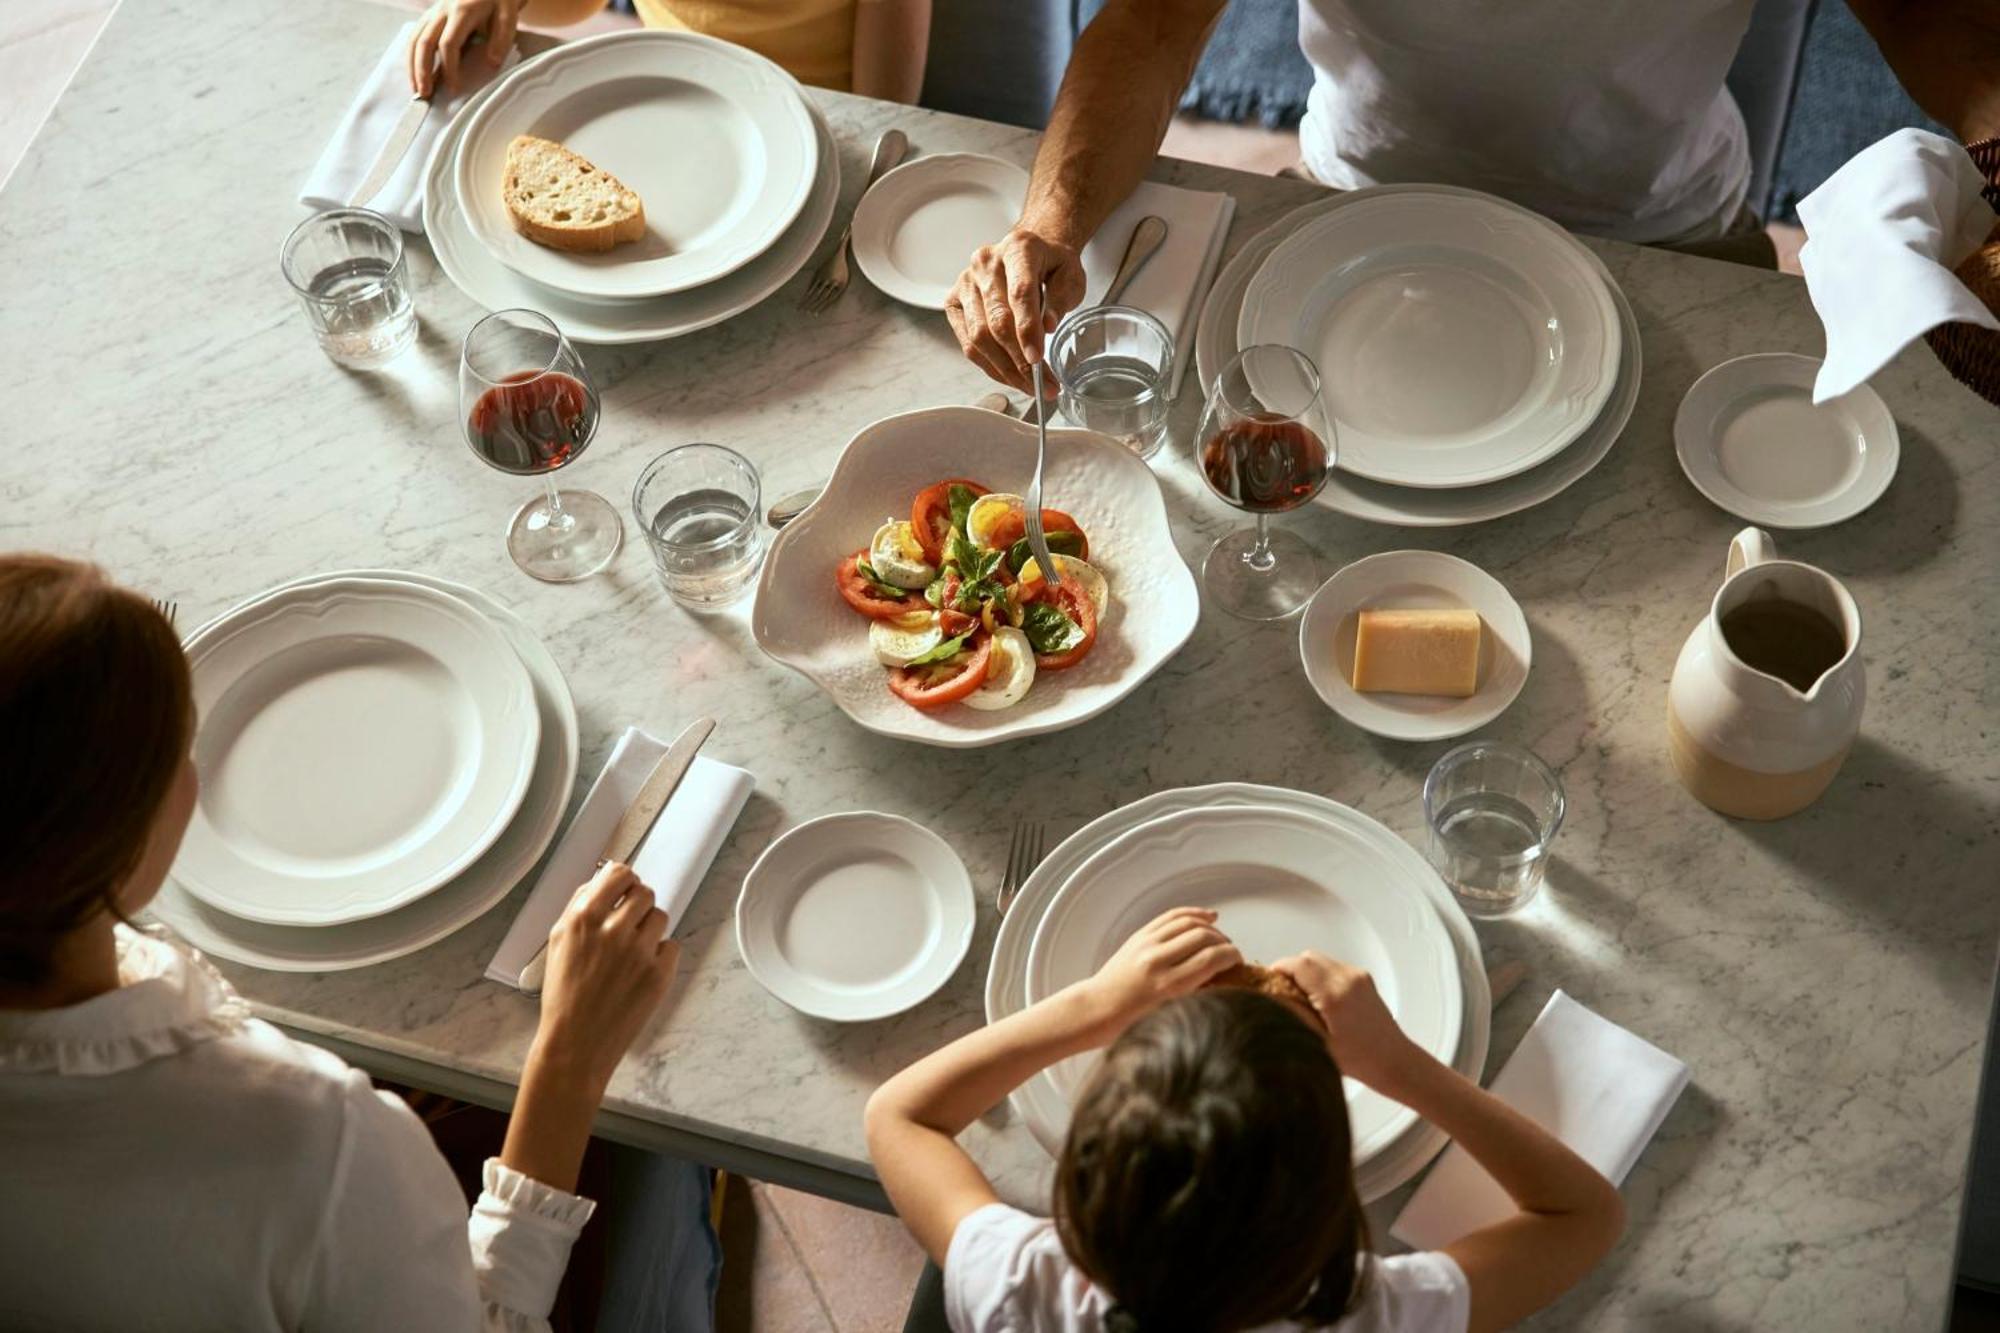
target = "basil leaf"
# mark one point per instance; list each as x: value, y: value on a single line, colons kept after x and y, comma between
x: 988, y: 562
x: 1048, y: 629
x: 1061, y: 542
x: 963, y: 553
x: 880, y: 586
x: 948, y: 649
x: 960, y: 499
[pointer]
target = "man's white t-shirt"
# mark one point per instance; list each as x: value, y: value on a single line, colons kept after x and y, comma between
x: 1006, y: 1273
x: 1609, y: 116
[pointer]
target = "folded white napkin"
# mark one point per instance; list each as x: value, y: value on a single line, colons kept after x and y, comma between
x: 1882, y: 236
x: 673, y: 860
x: 376, y: 111
x: 1172, y: 285
x: 1580, y: 1076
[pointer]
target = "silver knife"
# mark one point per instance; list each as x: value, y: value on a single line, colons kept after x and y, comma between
x: 394, y: 149
x: 637, y: 820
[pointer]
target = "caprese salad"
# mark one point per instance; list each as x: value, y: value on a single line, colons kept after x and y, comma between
x: 958, y: 610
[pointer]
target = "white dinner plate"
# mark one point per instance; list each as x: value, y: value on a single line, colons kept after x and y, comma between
x: 361, y: 743
x: 917, y: 227
x: 496, y: 287
x: 800, y: 620
x: 1750, y: 438
x: 1280, y: 881
x: 1044, y: 1107
x: 715, y: 139
x: 1416, y: 581
x: 1459, y: 341
x: 1406, y: 506
x: 855, y: 916
x: 471, y: 895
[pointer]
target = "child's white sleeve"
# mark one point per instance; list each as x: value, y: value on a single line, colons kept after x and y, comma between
x: 1426, y: 1292
x: 1006, y: 1270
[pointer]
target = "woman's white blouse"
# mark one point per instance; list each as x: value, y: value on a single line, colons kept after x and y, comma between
x: 168, y: 1162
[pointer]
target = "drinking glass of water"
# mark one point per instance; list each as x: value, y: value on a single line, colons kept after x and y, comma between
x: 1493, y: 810
x: 347, y: 267
x: 698, y: 507
x: 1115, y: 366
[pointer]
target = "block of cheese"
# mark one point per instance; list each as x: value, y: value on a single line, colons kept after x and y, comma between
x: 1418, y: 652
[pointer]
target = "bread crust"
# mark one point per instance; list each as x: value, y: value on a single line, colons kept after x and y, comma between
x: 532, y: 163
x: 1253, y: 976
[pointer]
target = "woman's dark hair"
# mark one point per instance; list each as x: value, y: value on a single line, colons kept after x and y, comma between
x: 96, y: 714
x: 1207, y: 1183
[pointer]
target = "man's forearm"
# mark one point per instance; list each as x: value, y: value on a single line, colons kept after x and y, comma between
x: 1946, y: 53
x: 1117, y: 98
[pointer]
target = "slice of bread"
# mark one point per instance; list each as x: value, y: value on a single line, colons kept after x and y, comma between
x: 566, y: 202
x: 1252, y: 976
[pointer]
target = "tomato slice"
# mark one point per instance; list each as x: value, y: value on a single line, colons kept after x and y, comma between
x: 942, y: 683
x: 931, y: 515
x: 954, y: 623
x: 860, y: 594
x: 1076, y: 604
x: 1013, y: 527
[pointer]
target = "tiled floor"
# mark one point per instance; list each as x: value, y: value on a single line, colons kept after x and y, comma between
x: 802, y: 1264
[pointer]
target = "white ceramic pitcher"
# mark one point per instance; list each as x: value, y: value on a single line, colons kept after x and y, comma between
x: 1744, y: 741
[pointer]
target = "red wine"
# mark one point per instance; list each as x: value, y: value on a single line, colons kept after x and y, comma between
x: 1265, y: 465
x: 532, y: 422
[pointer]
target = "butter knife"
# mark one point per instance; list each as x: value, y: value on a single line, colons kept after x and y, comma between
x: 394, y: 149
x: 637, y: 821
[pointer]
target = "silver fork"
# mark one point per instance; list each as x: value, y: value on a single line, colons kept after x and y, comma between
x: 167, y: 609
x: 1024, y: 853
x: 830, y: 280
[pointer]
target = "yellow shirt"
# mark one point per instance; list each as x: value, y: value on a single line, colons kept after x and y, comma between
x: 814, y: 39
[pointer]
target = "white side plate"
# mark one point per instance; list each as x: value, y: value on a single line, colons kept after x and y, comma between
x: 495, y: 286
x: 1280, y: 881
x: 471, y: 895
x: 1418, y: 581
x: 361, y: 743
x: 1459, y: 341
x: 1750, y: 438
x: 856, y: 916
x: 715, y: 139
x: 800, y: 620
x: 917, y: 227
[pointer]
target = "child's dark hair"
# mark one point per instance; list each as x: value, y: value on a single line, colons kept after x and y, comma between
x: 1207, y: 1183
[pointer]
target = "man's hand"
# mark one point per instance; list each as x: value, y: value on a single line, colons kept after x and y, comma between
x: 1009, y: 298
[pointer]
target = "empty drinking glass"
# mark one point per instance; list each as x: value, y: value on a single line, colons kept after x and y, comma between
x: 1115, y: 366
x: 347, y: 267
x: 1493, y: 810
x: 698, y: 506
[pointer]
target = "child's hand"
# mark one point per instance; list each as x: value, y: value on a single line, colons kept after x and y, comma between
x: 1361, y: 1032
x: 1174, y: 954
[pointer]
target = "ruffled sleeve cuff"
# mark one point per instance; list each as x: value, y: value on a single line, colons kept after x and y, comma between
x: 521, y: 1232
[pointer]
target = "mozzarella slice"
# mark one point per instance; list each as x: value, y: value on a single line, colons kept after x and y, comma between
x: 1009, y: 672
x: 897, y: 557
x: 986, y: 513
x: 1088, y: 576
x: 899, y: 642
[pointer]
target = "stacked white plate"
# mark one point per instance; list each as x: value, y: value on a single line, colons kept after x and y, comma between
x: 736, y: 168
x: 1286, y: 871
x: 383, y: 756
x: 1477, y: 358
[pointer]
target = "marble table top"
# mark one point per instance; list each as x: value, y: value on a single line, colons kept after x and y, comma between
x: 1826, y: 977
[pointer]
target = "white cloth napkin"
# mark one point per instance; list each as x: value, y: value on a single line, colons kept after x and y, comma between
x: 1595, y: 1086
x: 366, y: 127
x: 673, y: 860
x: 1175, y: 281
x: 1882, y: 236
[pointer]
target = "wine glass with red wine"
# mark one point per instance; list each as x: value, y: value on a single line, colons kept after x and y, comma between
x: 528, y: 407
x: 1266, y: 445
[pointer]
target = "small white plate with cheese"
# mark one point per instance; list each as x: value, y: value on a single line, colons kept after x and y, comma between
x: 1429, y: 671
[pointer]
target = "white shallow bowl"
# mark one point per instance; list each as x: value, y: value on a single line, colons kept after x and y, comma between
x: 1410, y: 506
x: 1417, y: 581
x: 493, y: 285
x: 1461, y: 338
x: 714, y: 138
x: 916, y: 227
x: 1280, y: 881
x: 1045, y: 1108
x: 470, y: 895
x: 800, y: 620
x: 1750, y: 438
x: 362, y: 742
x: 858, y: 916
